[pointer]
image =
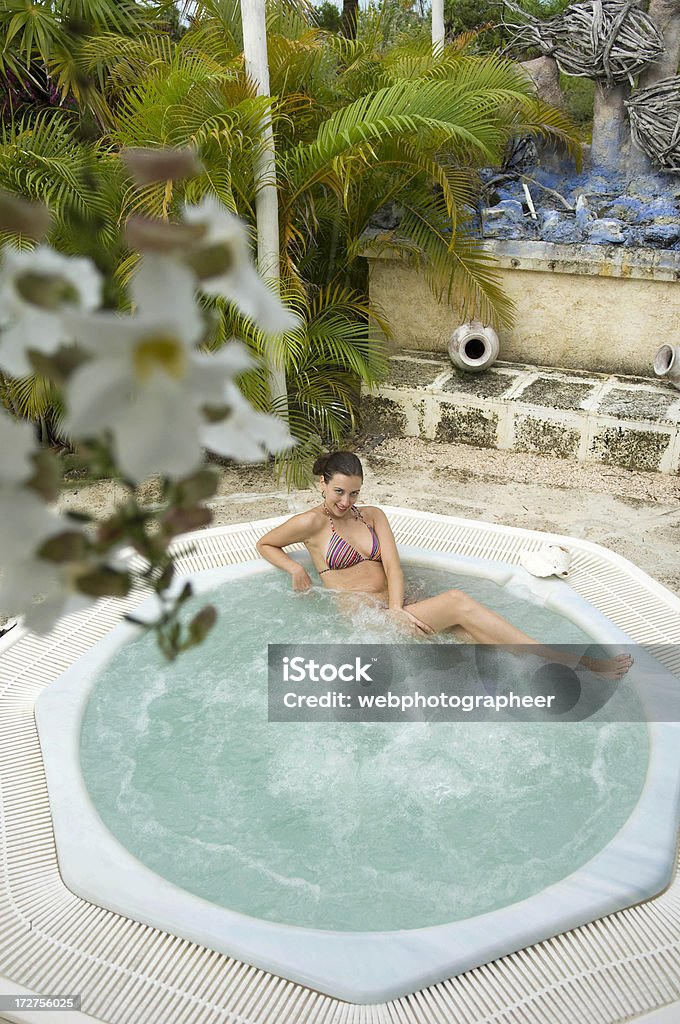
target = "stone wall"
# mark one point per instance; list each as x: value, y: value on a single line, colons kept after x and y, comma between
x: 617, y: 421
x: 585, y: 307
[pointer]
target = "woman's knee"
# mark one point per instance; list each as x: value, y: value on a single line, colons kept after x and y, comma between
x: 461, y: 602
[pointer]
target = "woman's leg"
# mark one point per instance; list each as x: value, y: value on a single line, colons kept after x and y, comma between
x: 456, y: 608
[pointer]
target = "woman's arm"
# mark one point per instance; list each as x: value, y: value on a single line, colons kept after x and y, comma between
x: 390, y: 559
x: 393, y: 572
x: 294, y: 531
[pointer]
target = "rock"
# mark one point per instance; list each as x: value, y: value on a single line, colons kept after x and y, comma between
x: 648, y: 185
x: 634, y: 237
x: 510, y: 209
x: 660, y: 208
x: 661, y: 235
x: 501, y: 231
x: 510, y: 192
x: 505, y: 220
x: 387, y: 217
x: 560, y: 227
x: 605, y: 231
x: 626, y: 208
x: 584, y: 215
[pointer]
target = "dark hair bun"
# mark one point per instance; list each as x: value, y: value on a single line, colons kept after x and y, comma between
x: 331, y: 463
x: 321, y: 463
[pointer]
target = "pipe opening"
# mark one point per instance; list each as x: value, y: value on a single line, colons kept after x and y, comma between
x: 475, y: 348
x: 663, y: 360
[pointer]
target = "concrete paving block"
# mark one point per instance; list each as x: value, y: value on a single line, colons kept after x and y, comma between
x: 490, y: 384
x: 546, y: 437
x: 407, y: 373
x: 468, y: 426
x: 550, y: 393
x: 620, y: 445
x: 382, y: 416
x: 637, y: 404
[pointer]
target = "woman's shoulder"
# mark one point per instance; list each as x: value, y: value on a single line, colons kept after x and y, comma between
x: 372, y: 510
x: 372, y: 513
x: 311, y: 519
x: 297, y: 529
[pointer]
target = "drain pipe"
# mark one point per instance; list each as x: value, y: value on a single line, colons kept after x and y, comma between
x: 667, y: 364
x: 473, y: 347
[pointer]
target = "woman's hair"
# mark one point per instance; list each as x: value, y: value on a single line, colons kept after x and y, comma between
x: 331, y: 463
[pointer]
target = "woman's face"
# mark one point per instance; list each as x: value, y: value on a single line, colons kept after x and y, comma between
x: 341, y: 492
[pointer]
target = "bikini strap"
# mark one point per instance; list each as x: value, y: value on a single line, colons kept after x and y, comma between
x: 330, y: 517
x: 355, y: 511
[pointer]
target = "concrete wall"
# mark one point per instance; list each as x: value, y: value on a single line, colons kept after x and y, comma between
x: 592, y: 307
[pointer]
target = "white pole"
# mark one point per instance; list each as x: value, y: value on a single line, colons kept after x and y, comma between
x: 266, y: 198
x: 437, y: 26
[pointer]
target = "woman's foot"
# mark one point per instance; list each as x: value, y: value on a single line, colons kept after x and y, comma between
x: 609, y: 668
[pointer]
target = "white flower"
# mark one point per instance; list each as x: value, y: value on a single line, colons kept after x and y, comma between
x: 237, y: 280
x: 246, y: 434
x: 40, y: 591
x: 35, y: 286
x: 25, y: 524
x: 17, y: 444
x: 146, y: 383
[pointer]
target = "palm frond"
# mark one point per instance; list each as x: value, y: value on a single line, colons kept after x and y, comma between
x: 456, y: 266
x: 40, y: 159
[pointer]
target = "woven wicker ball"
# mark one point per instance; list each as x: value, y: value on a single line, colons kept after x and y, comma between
x: 654, y: 115
x: 608, y: 40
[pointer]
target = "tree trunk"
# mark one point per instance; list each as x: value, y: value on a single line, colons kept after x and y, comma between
x: 438, y: 31
x: 545, y: 74
x: 666, y: 16
x: 350, y: 18
x: 611, y: 134
x: 266, y: 196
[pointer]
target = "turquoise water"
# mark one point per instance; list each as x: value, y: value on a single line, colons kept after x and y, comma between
x: 347, y: 826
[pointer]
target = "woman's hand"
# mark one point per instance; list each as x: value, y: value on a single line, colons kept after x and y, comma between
x: 415, y: 625
x: 301, y: 579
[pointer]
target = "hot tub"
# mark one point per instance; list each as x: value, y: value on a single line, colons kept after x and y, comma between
x: 328, y: 943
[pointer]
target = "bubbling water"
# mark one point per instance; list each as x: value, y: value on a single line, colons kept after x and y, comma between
x: 344, y: 826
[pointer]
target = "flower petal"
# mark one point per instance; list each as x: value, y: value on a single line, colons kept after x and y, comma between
x: 159, y: 433
x: 80, y: 272
x: 107, y: 334
x: 210, y: 371
x: 246, y: 434
x: 25, y: 522
x: 27, y: 328
x: 228, y: 439
x: 165, y: 289
x: 97, y: 396
x: 17, y: 444
x: 222, y: 226
x: 245, y: 288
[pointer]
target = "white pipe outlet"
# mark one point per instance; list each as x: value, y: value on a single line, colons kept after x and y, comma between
x: 473, y: 347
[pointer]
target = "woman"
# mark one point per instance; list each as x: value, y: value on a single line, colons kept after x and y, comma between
x: 354, y: 550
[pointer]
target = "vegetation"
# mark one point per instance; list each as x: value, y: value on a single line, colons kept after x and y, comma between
x: 359, y: 124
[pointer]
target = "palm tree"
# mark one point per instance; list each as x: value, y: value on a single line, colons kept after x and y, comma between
x: 356, y: 127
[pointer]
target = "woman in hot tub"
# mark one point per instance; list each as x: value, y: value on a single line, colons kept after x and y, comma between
x: 354, y: 551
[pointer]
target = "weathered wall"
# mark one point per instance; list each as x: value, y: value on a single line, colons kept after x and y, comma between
x: 581, y: 307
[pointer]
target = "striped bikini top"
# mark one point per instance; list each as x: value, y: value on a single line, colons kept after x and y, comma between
x: 341, y: 554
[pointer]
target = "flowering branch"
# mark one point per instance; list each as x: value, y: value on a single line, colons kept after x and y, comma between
x: 141, y: 398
